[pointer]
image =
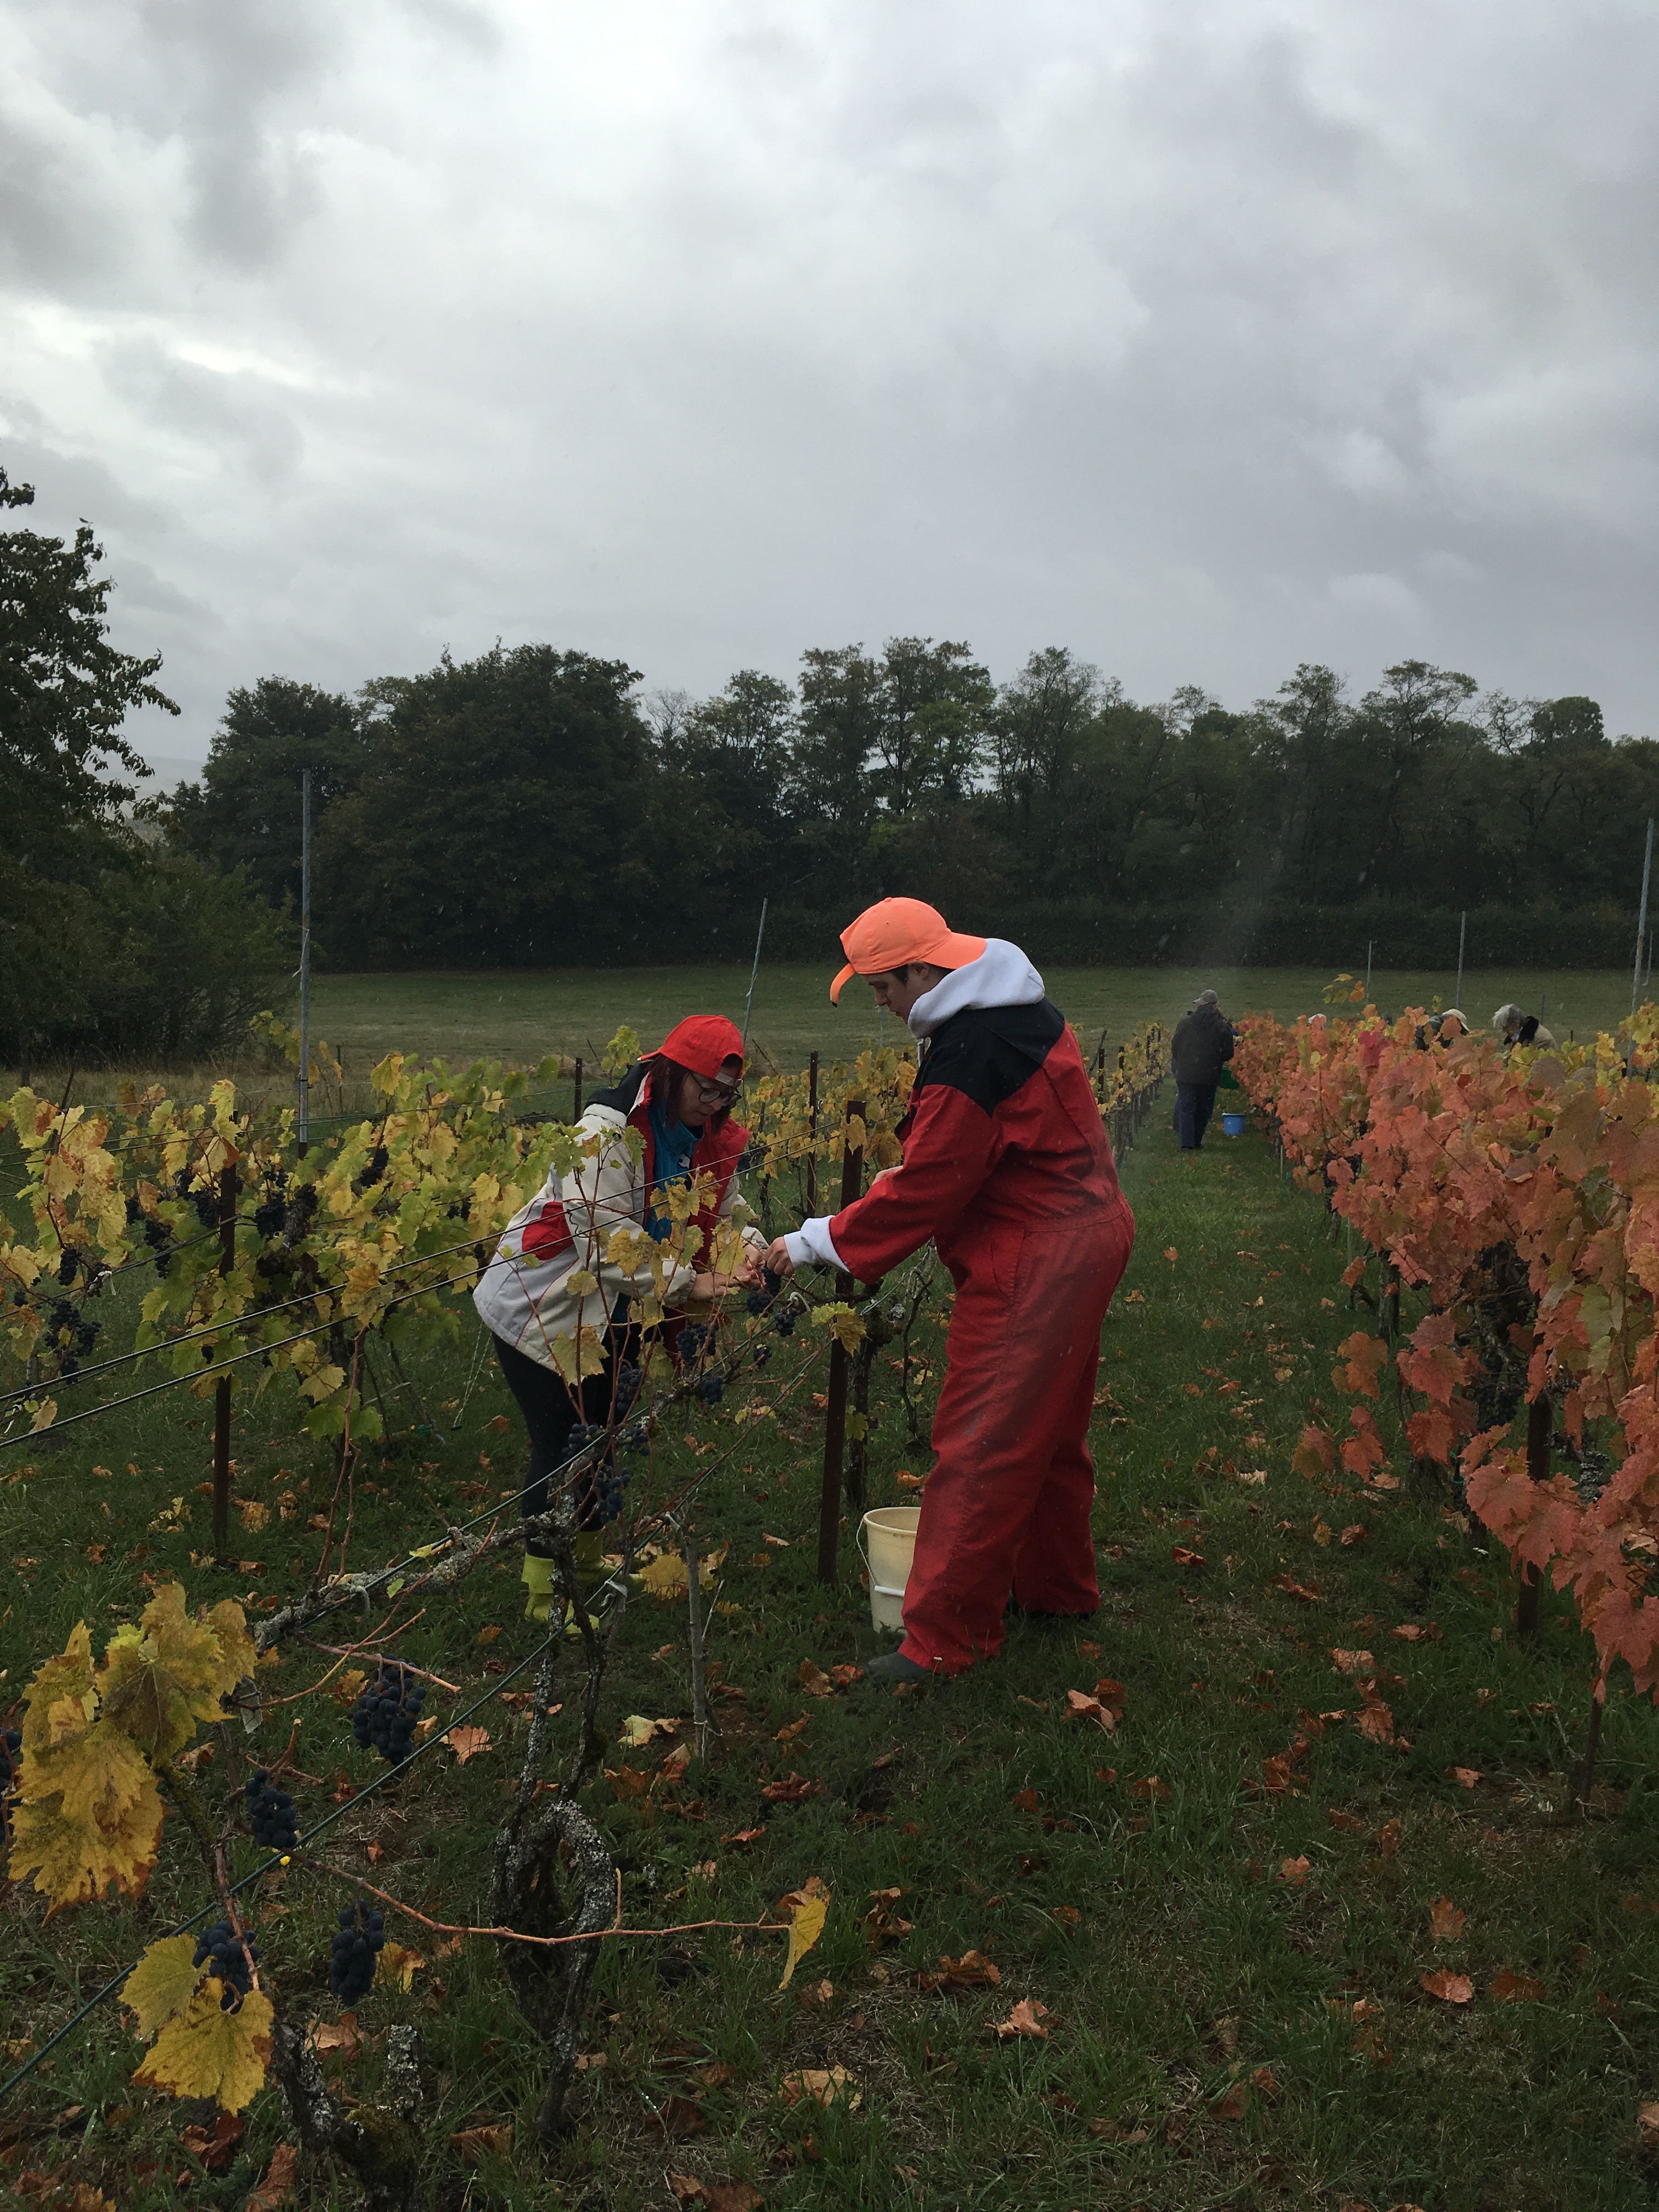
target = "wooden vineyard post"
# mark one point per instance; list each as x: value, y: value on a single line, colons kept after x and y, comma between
x: 221, y: 1394
x: 812, y: 1135
x: 576, y: 1110
x: 1540, y: 1416
x: 834, y: 1419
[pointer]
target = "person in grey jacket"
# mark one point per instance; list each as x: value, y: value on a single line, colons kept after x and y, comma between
x: 1200, y: 1047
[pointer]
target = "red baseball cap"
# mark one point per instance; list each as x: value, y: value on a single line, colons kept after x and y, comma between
x: 895, y: 931
x: 701, y: 1042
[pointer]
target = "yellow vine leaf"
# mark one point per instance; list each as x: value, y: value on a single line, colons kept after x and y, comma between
x: 666, y: 1575
x: 162, y: 1982
x: 399, y: 1965
x: 89, y: 1814
x: 842, y: 1323
x: 160, y: 1679
x: 205, y: 2053
x: 805, y: 1926
x: 566, y: 1351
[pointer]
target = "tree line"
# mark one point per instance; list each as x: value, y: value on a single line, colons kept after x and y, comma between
x: 532, y: 807
x: 536, y: 807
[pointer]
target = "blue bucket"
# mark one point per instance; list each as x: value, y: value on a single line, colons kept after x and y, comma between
x: 1232, y: 1125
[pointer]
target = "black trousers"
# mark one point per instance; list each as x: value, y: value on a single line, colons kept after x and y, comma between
x: 552, y: 1410
x: 1195, y: 1104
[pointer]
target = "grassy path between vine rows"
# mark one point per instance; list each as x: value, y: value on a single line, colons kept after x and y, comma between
x: 1232, y: 1977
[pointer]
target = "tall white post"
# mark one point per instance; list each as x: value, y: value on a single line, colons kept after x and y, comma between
x: 305, y: 958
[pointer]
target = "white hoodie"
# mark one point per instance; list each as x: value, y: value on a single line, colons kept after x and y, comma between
x: 1001, y: 977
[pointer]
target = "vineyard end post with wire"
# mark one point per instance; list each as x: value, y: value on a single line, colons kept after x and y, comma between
x: 834, y: 1419
x: 221, y: 1393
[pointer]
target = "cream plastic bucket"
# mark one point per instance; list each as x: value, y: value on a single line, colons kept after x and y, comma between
x: 887, y: 1538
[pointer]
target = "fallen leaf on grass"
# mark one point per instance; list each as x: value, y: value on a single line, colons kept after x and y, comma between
x: 1445, y: 1921
x: 1339, y: 1819
x: 1389, y: 1838
x: 1375, y: 1722
x: 1082, y: 1707
x: 1068, y: 1915
x: 1307, y: 1596
x: 1025, y: 1800
x: 816, y: 1993
x: 674, y: 1766
x: 1354, y: 1662
x: 339, y: 2035
x: 1151, y: 1788
x: 1647, y: 2126
x: 788, y: 1789
x: 1027, y: 2018
x: 279, y: 2182
x: 1412, y: 1632
x: 1294, y: 1872
x: 745, y: 1836
x: 807, y: 1914
x: 467, y: 1742
x: 1516, y: 1989
x: 1467, y: 1775
x: 1264, y: 2080
x: 477, y: 2144
x: 628, y: 1781
x: 813, y: 1679
x: 638, y: 1730
x: 718, y: 2196
x: 488, y: 1635
x: 1449, y: 1988
x: 216, y: 2146
x: 1184, y: 1557
x: 845, y: 1675
x: 1170, y: 1254
x: 1115, y: 2131
x: 1352, y: 1534
x: 972, y: 1971
x: 820, y: 2084
x: 680, y: 2117
x: 398, y: 1965
x: 1229, y: 2105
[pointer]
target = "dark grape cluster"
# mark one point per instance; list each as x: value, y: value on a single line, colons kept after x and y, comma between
x: 301, y: 1211
x: 351, y: 1952
x: 711, y: 1387
x: 785, y: 1323
x: 379, y: 1160
x: 627, y: 1388
x: 692, y: 1337
x: 272, y: 1212
x: 387, y: 1713
x: 759, y: 1299
x: 220, y: 1952
x: 270, y: 1814
x: 11, y: 1768
x: 68, y: 1261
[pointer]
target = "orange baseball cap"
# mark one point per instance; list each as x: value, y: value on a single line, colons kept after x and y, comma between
x: 895, y: 931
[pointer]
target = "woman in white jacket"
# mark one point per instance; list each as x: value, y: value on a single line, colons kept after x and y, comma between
x: 561, y: 1269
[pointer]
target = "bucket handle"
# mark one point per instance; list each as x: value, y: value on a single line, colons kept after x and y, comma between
x: 877, y: 1590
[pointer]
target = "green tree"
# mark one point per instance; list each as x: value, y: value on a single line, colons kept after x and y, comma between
x: 498, y: 823
x: 246, y: 810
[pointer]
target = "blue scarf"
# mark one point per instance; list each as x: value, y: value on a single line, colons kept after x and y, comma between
x: 672, y: 1146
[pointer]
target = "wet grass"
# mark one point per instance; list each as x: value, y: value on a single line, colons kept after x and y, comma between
x: 1233, y: 1978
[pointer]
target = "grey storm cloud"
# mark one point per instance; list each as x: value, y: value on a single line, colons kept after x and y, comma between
x: 1204, y: 336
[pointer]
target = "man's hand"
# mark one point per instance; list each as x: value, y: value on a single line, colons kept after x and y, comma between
x: 778, y: 1262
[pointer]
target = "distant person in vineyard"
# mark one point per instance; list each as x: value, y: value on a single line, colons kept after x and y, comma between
x: 1514, y: 1027
x: 677, y: 1101
x: 1006, y: 1167
x: 1200, y: 1047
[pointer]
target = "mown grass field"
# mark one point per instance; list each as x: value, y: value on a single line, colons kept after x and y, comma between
x: 1229, y: 1932
x: 520, y: 1016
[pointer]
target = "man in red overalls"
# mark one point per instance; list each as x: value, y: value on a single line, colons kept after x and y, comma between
x: 1007, y: 1168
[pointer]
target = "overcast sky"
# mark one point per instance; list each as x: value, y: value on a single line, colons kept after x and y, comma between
x: 1203, y: 336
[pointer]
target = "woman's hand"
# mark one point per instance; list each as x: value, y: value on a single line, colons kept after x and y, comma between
x: 778, y: 1262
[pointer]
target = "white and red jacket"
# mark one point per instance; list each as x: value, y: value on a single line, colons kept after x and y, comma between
x: 1003, y: 1135
x: 523, y: 1295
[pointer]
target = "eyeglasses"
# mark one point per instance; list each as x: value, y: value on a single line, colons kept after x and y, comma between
x: 720, y: 1094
